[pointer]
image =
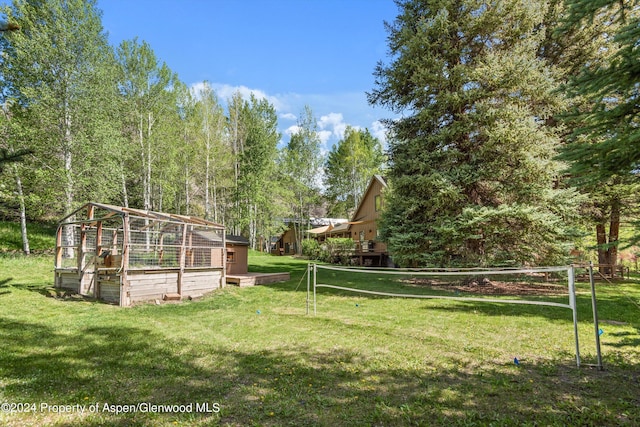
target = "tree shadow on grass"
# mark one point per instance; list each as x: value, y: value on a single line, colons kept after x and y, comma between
x: 4, y: 283
x: 626, y: 339
x: 59, y: 293
x: 505, y: 309
x: 611, y: 307
x: 292, y: 385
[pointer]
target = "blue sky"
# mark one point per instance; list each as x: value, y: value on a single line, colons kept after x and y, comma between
x: 321, y: 53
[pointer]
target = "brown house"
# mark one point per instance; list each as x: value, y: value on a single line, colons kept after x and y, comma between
x: 363, y: 227
x: 286, y: 244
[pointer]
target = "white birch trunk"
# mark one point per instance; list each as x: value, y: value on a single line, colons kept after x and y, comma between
x: 68, y: 169
x: 23, y: 213
x: 207, y: 204
x: 187, y: 199
x: 147, y: 199
x: 252, y: 226
x: 215, y: 201
x: 125, y: 195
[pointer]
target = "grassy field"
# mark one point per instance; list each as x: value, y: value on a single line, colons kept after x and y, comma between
x: 41, y: 238
x: 251, y: 356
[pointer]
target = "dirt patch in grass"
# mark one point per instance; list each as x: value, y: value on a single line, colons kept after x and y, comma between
x: 492, y: 287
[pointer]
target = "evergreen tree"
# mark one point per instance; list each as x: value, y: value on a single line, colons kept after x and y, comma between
x: 473, y: 175
x: 606, y: 137
x: 582, y: 44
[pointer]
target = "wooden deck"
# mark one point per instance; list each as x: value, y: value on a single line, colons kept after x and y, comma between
x: 251, y: 279
x: 370, y: 258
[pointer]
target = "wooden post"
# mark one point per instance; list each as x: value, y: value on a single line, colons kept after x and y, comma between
x: 97, y: 254
x: 58, y: 260
x: 190, y: 252
x: 161, y: 250
x: 223, y: 251
x: 124, y: 279
x: 114, y: 241
x: 82, y: 247
x: 183, y: 257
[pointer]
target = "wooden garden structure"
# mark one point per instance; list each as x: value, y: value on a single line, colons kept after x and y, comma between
x: 124, y: 255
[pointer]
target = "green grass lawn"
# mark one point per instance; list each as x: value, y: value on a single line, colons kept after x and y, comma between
x: 41, y: 237
x: 251, y: 356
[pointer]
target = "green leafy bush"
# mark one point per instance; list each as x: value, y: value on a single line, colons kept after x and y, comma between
x: 339, y: 250
x: 333, y: 250
x: 311, y: 248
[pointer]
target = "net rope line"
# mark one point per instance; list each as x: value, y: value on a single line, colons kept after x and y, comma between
x: 446, y: 271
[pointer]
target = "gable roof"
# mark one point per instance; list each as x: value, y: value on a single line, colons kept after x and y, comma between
x: 341, y: 227
x: 374, y: 179
x: 237, y: 240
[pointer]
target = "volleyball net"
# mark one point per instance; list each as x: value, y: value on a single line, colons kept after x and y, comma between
x: 540, y: 286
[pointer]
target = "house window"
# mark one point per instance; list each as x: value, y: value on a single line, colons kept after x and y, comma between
x: 231, y: 257
x: 378, y: 202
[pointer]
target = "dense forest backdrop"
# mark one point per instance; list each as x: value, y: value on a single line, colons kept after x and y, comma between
x: 513, y: 132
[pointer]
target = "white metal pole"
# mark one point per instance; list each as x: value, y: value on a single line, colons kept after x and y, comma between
x: 315, y: 281
x: 595, y: 315
x: 308, y: 286
x: 574, y: 308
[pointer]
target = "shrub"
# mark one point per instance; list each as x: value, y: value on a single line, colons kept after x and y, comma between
x: 339, y: 250
x: 311, y: 248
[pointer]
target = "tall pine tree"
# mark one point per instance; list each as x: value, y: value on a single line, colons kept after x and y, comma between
x: 602, y: 137
x: 606, y: 137
x: 473, y: 175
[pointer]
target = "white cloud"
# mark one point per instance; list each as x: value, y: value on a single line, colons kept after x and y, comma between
x: 324, y: 136
x: 288, y: 116
x: 292, y: 129
x: 225, y: 92
x: 330, y: 119
x: 330, y: 108
x: 331, y: 126
x: 196, y: 88
x: 333, y: 123
x: 379, y: 131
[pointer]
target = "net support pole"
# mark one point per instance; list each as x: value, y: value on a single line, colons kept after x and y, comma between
x: 315, y: 281
x: 574, y: 309
x: 308, y: 286
x: 595, y: 315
